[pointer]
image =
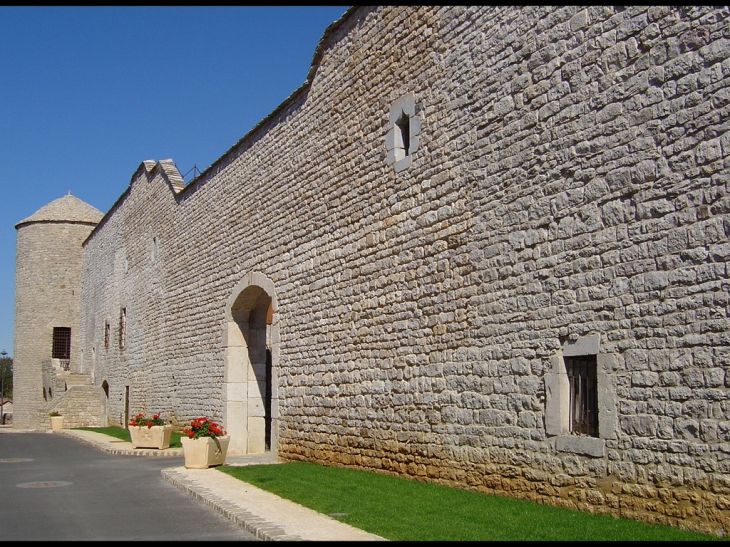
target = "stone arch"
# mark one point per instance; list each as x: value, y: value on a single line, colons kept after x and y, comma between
x: 251, y: 345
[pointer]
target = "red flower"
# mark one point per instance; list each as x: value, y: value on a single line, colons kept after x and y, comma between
x: 140, y: 420
x: 203, y: 427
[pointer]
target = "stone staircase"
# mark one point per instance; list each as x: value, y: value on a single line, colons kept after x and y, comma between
x: 76, y: 398
x: 71, y: 379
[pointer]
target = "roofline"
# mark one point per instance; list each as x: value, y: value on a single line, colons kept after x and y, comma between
x: 314, y: 65
x: 166, y: 167
x: 23, y: 223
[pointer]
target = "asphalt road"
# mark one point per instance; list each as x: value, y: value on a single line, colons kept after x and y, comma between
x: 55, y: 488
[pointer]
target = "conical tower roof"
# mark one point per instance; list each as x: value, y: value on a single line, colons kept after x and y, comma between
x: 65, y: 209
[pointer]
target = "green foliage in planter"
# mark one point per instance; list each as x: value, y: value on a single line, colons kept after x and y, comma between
x: 140, y: 420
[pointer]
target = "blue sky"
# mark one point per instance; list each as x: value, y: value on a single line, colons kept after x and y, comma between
x: 88, y: 93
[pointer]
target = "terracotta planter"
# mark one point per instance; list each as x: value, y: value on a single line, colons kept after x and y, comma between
x: 56, y: 422
x: 157, y: 436
x: 204, y: 452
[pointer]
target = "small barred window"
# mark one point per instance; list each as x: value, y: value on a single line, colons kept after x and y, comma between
x: 61, y: 349
x: 583, y: 395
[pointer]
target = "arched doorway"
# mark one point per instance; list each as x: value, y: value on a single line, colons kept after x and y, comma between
x: 250, y: 412
x: 105, y: 405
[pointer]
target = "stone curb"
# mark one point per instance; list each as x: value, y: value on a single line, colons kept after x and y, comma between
x: 253, y: 524
x: 257, y: 526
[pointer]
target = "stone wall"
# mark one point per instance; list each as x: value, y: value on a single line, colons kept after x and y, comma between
x: 567, y: 186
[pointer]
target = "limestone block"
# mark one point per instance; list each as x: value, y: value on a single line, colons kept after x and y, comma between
x: 232, y: 335
x: 256, y: 435
x: 237, y: 368
x: 236, y: 391
x: 257, y: 371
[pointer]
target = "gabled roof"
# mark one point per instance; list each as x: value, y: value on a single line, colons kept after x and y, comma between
x: 65, y: 209
x: 148, y: 168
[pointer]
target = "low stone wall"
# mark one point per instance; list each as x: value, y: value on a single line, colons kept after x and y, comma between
x: 80, y: 406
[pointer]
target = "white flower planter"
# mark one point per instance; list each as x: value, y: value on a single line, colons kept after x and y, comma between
x: 157, y: 436
x: 204, y: 452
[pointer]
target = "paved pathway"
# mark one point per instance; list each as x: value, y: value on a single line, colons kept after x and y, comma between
x: 265, y: 515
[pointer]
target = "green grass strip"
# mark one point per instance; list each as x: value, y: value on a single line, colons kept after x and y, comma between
x: 402, y: 509
x: 123, y: 434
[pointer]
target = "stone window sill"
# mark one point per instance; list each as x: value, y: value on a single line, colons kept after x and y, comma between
x: 588, y: 446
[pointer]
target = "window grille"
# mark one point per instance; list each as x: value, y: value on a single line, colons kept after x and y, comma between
x: 62, y: 345
x: 583, y: 394
x: 123, y: 328
x: 107, y: 334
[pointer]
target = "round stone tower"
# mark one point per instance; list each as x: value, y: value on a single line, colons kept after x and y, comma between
x: 48, y: 257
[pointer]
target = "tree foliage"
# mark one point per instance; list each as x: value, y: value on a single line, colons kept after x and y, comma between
x: 6, y: 373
